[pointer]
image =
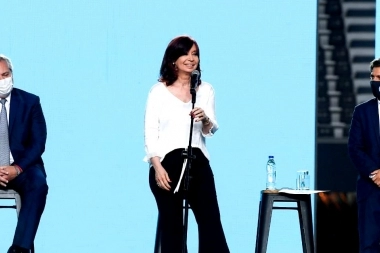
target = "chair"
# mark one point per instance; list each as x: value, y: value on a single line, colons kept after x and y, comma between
x: 265, y: 215
x: 11, y: 194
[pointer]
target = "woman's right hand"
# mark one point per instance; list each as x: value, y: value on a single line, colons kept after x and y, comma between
x: 161, y: 176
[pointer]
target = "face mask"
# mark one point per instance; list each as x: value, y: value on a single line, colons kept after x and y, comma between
x: 375, y: 86
x: 6, y: 86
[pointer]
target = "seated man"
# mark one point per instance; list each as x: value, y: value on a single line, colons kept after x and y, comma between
x: 22, y: 143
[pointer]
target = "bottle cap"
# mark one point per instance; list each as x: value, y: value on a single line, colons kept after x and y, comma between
x: 271, y: 156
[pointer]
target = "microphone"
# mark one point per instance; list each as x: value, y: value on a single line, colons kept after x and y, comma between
x: 194, y: 79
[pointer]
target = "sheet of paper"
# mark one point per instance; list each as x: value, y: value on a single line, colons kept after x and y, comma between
x: 181, y: 176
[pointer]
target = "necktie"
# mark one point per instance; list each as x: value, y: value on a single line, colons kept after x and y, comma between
x: 4, y: 137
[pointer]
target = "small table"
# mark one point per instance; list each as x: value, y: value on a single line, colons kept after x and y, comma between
x: 268, y: 197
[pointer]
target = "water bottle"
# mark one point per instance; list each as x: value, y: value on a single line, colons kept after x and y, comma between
x: 271, y: 173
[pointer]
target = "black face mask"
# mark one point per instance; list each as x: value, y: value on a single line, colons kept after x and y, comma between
x: 375, y: 86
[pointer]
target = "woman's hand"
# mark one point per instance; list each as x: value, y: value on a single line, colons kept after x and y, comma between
x: 199, y: 115
x: 161, y: 176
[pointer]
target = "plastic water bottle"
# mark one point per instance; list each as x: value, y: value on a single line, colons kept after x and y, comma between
x: 271, y: 173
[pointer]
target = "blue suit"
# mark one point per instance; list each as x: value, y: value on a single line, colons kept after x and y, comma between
x: 27, y: 138
x: 364, y: 151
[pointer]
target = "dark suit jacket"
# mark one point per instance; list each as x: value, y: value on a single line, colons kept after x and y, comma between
x: 364, y: 145
x: 27, y: 130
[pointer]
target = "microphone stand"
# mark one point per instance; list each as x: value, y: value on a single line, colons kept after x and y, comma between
x: 189, y: 155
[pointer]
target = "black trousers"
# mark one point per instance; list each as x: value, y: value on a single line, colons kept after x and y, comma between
x: 202, y: 200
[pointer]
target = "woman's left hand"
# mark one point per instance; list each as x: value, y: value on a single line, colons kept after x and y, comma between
x: 198, y: 114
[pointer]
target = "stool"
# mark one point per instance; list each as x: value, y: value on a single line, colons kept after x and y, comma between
x: 265, y: 214
x: 11, y: 194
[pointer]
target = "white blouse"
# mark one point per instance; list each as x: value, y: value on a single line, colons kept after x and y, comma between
x: 167, y: 121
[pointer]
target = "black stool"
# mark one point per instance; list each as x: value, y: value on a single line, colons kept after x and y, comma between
x: 265, y: 214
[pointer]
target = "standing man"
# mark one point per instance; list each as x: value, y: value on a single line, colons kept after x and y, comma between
x: 21, y: 146
x: 364, y: 151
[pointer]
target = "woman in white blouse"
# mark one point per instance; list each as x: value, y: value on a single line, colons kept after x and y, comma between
x: 167, y: 130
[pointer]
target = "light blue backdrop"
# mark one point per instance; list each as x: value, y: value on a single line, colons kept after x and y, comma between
x: 92, y: 64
